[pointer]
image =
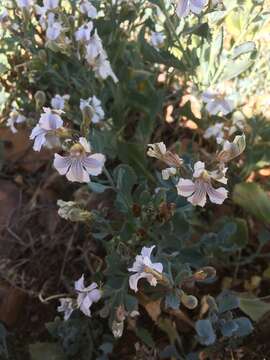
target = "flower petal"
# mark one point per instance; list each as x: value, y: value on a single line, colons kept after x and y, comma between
x: 94, y: 164
x: 138, y: 264
x: 196, y: 6
x: 133, y: 280
x: 213, y: 107
x: 199, y: 196
x: 158, y: 267
x: 95, y: 295
x: 77, y: 173
x: 85, y: 305
x: 50, y: 121
x: 199, y: 168
x: 208, y: 95
x: 40, y: 140
x: 91, y: 287
x: 182, y: 8
x: 226, y: 106
x: 79, y: 284
x: 185, y: 187
x: 36, y: 131
x: 146, y: 251
x: 62, y: 163
x: 216, y: 196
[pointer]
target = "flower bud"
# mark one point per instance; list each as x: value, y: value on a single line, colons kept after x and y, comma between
x: 159, y: 151
x: 117, y: 328
x: 40, y: 98
x: 232, y: 150
x: 69, y: 210
x: 207, y: 272
x: 189, y: 301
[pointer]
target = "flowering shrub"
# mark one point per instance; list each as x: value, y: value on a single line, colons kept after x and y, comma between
x: 142, y: 102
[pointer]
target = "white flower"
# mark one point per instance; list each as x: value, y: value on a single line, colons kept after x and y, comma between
x: 15, y: 118
x: 44, y: 133
x: 3, y: 16
x: 215, y: 131
x: 197, y: 190
x: 157, y: 39
x: 50, y: 4
x: 232, y: 149
x: 144, y: 268
x: 238, y: 122
x: 58, y: 101
x: 103, y: 67
x: 95, y: 104
x: 93, y: 48
x: 217, y: 102
x: 168, y: 172
x: 87, y: 8
x: 42, y: 11
x: 184, y: 7
x: 53, y: 31
x: 86, y: 295
x: 159, y: 151
x: 79, y: 164
x: 67, y: 307
x: 24, y: 3
x: 84, y: 32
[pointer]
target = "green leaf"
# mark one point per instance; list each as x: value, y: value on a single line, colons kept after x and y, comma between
x: 172, y: 300
x: 240, y: 237
x: 216, y: 17
x: 205, y: 332
x: 125, y: 179
x: 97, y: 188
x: 254, y: 307
x: 106, y: 348
x: 144, y: 335
x: 253, y: 199
x: 244, y: 326
x: 103, y: 142
x: 234, y: 22
x: 134, y: 154
x: 227, y: 301
x: 235, y: 68
x: 244, y: 48
x: 45, y: 351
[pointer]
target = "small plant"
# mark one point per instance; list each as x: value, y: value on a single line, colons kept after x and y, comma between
x: 141, y: 105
